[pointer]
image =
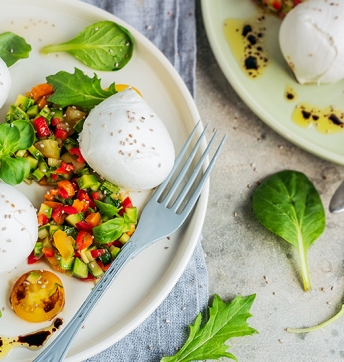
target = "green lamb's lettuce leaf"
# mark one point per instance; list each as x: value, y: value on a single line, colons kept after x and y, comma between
x: 14, y: 137
x: 226, y: 320
x: 78, y: 89
x: 103, y: 46
x: 13, y: 48
x: 288, y: 204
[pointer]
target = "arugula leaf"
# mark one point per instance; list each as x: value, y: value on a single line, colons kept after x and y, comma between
x: 13, y: 137
x: 288, y: 204
x: 102, y: 46
x: 109, y: 231
x: 78, y: 89
x: 13, y: 48
x: 226, y: 320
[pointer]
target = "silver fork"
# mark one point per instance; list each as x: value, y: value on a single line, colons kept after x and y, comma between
x: 158, y: 220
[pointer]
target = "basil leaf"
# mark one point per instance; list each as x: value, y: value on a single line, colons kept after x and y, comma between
x: 107, y: 209
x: 207, y: 341
x: 13, y: 48
x: 109, y: 231
x: 288, y: 204
x: 103, y: 46
x: 14, y: 170
x: 27, y: 135
x: 78, y: 89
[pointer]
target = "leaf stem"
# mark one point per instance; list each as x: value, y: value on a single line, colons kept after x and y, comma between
x: 324, y: 324
x: 307, y: 285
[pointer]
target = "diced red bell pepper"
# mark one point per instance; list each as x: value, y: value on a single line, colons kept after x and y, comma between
x: 61, y: 133
x: 83, y: 195
x: 97, y: 195
x: 102, y: 266
x: 53, y: 176
x: 55, y: 121
x: 115, y: 243
x: 42, y: 219
x: 63, y: 193
x: 58, y: 215
x: 76, y: 151
x: 65, y: 168
x: 41, y: 127
x: 277, y: 4
x: 32, y: 258
x: 89, y: 277
x: 125, y: 203
x: 84, y: 226
x: 70, y: 210
x: 97, y: 253
x: 83, y: 240
x: 48, y: 252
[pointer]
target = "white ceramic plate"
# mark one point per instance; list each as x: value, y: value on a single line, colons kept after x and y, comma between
x: 265, y: 95
x: 146, y: 280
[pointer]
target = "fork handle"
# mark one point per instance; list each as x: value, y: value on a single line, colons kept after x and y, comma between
x: 57, y: 350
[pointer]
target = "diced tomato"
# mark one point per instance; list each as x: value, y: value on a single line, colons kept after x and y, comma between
x: 97, y: 195
x: 65, y: 168
x: 32, y: 258
x: 41, y: 127
x: 48, y: 252
x: 97, y: 253
x: 55, y: 121
x: 102, y: 266
x: 83, y: 240
x: 54, y: 177
x: 70, y: 210
x: 42, y: 219
x: 58, y: 215
x: 83, y: 195
x: 76, y: 151
x: 115, y: 243
x: 67, y: 186
x: 84, y: 226
x: 60, y: 133
x: 277, y: 4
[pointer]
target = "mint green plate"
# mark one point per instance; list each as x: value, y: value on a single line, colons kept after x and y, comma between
x: 265, y: 95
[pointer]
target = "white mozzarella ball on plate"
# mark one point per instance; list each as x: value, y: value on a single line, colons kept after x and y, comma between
x: 18, y: 227
x: 5, y: 82
x: 126, y: 142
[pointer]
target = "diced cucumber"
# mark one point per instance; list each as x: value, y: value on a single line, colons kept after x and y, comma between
x: 37, y: 250
x: 70, y: 143
x: 79, y: 269
x: 54, y: 228
x: 15, y: 113
x: 37, y: 175
x: 132, y: 213
x: 33, y: 111
x: 54, y: 162
x: 79, y: 125
x: 88, y: 181
x: 46, y: 113
x: 45, y: 210
x: 24, y: 103
x: 70, y: 231
x: 43, y: 231
x: 73, y: 219
x: 95, y: 269
x: 114, y: 251
x: 88, y: 253
x: 21, y: 153
x: 109, y: 188
x: 33, y: 277
x: 66, y: 264
x: 106, y: 258
x: 57, y: 113
x: 33, y: 162
x: 124, y: 238
x: 84, y: 257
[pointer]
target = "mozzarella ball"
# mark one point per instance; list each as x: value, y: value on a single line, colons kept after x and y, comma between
x: 311, y: 39
x: 5, y: 82
x: 126, y: 142
x: 18, y: 227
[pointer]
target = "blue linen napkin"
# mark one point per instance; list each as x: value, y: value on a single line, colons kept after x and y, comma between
x: 171, y: 26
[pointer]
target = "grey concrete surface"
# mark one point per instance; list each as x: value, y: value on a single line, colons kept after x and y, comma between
x: 245, y: 258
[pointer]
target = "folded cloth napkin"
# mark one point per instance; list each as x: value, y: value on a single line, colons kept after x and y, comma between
x: 171, y: 26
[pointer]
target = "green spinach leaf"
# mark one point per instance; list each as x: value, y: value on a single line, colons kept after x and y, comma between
x: 13, y: 48
x: 226, y: 320
x: 13, y: 137
x: 103, y: 46
x: 288, y: 204
x: 78, y: 89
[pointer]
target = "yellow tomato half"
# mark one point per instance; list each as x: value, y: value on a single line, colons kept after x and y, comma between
x: 38, y: 296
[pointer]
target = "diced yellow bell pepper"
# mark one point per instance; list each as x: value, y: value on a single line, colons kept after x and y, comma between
x: 64, y: 244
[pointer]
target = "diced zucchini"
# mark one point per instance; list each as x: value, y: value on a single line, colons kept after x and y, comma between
x: 15, y: 113
x: 109, y: 188
x: 46, y: 113
x: 95, y: 269
x: 57, y: 113
x: 79, y: 269
x: 37, y: 250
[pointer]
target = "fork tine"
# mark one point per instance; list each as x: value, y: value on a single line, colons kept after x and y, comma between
x: 185, y: 168
x: 190, y: 204
x: 162, y: 186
